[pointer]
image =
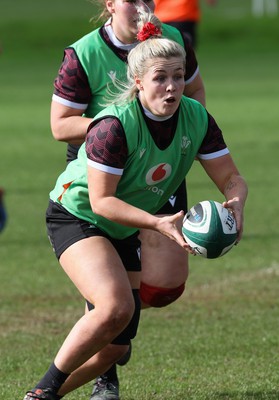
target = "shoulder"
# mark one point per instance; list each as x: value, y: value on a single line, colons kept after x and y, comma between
x: 87, y: 38
x: 192, y: 69
x: 121, y: 111
x: 172, y: 33
x: 192, y: 104
x: 194, y: 115
x: 89, y: 44
x: 214, y: 144
x: 104, y: 125
x: 106, y: 143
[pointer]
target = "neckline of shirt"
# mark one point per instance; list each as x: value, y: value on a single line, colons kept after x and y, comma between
x: 115, y: 41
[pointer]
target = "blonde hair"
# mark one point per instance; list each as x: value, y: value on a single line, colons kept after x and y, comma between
x: 104, y: 13
x: 141, y: 56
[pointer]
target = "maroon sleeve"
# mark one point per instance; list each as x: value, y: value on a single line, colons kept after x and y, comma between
x: 213, y: 140
x: 191, y: 60
x: 106, y: 142
x: 71, y: 82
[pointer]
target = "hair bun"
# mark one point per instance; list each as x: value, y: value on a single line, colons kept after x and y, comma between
x: 148, y: 30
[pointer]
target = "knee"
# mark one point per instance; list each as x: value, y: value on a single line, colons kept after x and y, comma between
x: 159, y: 297
x: 131, y: 329
x: 113, y: 317
x: 119, y: 317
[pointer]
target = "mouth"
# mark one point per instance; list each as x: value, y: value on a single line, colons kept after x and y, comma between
x: 170, y: 100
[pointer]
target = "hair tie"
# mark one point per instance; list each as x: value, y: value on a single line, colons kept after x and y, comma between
x: 147, y: 31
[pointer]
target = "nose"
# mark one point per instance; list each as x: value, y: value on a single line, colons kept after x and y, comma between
x: 170, y: 86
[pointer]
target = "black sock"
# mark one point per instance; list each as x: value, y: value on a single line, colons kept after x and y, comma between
x: 53, y: 379
x: 111, y: 374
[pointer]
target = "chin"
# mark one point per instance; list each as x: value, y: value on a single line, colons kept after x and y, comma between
x: 170, y: 110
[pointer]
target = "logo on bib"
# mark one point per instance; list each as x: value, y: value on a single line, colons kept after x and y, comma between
x: 158, y: 173
x: 185, y: 142
x: 112, y: 75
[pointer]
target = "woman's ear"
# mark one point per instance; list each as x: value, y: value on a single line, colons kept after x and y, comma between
x: 138, y: 83
x: 110, y: 6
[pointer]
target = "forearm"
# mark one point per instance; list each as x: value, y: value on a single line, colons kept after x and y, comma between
x: 123, y: 213
x: 236, y: 188
x: 236, y: 193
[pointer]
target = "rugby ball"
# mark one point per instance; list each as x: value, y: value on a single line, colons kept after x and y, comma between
x: 210, y: 229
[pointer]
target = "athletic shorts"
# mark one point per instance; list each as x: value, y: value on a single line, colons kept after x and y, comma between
x: 64, y: 229
x: 177, y: 202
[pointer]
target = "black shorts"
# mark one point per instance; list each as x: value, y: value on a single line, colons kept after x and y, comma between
x: 64, y: 229
x: 177, y: 202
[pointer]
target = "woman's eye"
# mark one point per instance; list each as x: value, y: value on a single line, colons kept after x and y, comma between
x: 159, y: 78
x: 178, y: 77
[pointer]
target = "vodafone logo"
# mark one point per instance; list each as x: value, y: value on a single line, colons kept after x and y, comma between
x: 158, y: 173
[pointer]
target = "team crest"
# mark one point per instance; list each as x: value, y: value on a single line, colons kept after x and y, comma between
x: 185, y: 142
x: 112, y: 75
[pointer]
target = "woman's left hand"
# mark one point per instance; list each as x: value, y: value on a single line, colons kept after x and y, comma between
x: 168, y: 226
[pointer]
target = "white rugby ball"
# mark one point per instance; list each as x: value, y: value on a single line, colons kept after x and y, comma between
x: 210, y: 229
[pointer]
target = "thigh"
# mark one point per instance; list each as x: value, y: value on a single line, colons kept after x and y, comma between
x: 164, y: 263
x: 95, y: 268
x: 91, y: 258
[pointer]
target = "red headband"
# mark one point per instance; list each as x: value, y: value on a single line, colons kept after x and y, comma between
x: 147, y: 31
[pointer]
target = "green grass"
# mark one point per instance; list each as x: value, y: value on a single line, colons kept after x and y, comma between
x: 220, y: 340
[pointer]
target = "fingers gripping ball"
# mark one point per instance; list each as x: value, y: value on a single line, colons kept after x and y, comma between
x: 210, y: 229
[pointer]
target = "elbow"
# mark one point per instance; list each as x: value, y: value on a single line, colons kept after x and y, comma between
x: 102, y: 208
x: 98, y: 210
x: 57, y: 133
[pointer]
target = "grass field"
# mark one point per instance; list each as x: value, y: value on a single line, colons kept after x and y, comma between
x: 220, y: 340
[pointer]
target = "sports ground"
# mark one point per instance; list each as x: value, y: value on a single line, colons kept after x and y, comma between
x: 220, y: 340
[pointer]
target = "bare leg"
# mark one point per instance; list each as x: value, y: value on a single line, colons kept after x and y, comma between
x: 164, y: 262
x: 97, y: 271
x: 95, y: 366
